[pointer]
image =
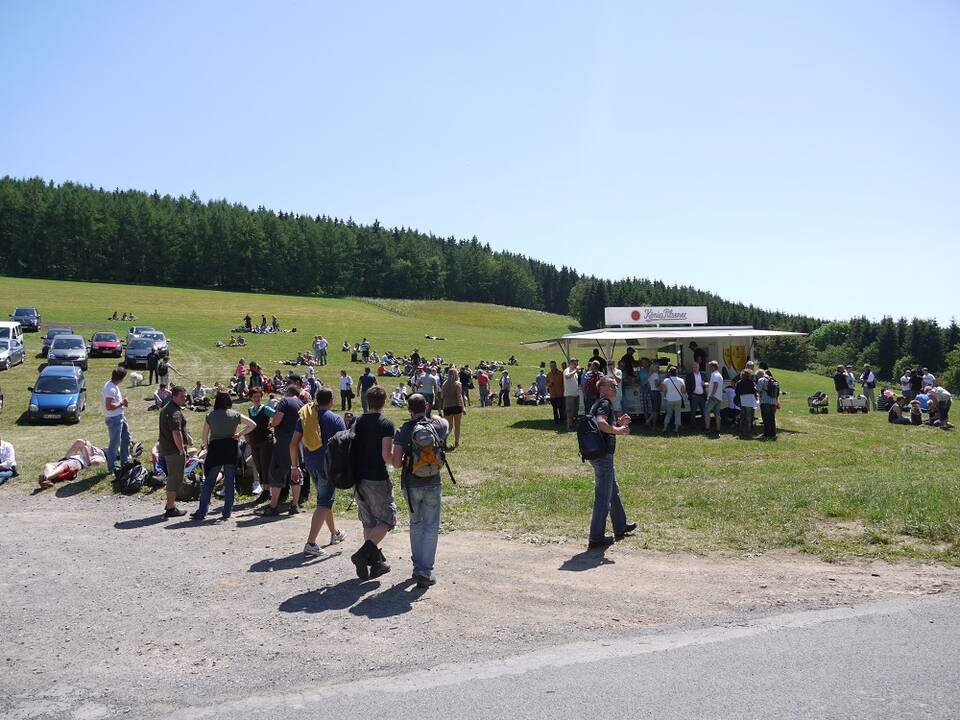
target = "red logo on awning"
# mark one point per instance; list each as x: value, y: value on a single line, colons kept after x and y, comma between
x: 635, y: 315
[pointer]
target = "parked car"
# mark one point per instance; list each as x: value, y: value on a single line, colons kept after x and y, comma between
x: 28, y: 317
x: 105, y: 344
x: 137, y: 350
x: 138, y: 330
x: 11, y: 331
x: 11, y: 353
x: 60, y: 393
x: 51, y: 334
x: 68, y: 350
x: 159, y: 342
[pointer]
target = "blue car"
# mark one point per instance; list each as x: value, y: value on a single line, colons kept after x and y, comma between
x: 60, y: 394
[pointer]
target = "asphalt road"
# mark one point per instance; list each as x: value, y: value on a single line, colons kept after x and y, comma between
x: 889, y: 659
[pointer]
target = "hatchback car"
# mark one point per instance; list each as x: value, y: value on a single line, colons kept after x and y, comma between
x: 59, y: 394
x: 137, y: 350
x: 28, y: 317
x: 68, y: 350
x: 11, y: 353
x: 137, y: 330
x: 105, y: 344
x: 159, y: 342
x: 51, y: 334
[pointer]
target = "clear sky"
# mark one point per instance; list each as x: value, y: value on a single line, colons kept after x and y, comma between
x: 796, y: 155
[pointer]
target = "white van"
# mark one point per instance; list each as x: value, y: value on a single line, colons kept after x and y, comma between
x: 11, y: 331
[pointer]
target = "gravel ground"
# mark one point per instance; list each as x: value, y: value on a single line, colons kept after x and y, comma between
x: 108, y: 610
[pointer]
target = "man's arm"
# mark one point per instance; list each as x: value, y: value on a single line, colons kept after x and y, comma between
x: 295, y: 449
x: 396, y: 459
x: 609, y: 429
x: 276, y: 419
x: 386, y: 450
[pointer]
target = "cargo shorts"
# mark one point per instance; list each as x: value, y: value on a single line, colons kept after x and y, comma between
x: 175, y: 465
x: 375, y: 503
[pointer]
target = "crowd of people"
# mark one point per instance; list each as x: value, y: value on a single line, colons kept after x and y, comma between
x: 289, y: 421
x: 922, y: 399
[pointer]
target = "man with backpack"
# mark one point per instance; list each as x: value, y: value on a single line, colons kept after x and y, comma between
x: 769, y: 390
x: 606, y: 499
x: 366, y: 381
x: 588, y: 381
x: 316, y: 424
x: 372, y: 449
x: 418, y: 450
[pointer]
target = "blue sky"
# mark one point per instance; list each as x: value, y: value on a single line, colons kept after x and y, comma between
x: 801, y: 156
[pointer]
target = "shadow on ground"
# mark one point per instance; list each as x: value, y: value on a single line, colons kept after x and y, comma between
x: 586, y: 560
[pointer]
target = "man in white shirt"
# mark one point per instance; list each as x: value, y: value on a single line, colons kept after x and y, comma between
x: 714, y: 398
x: 346, y: 391
x: 929, y: 380
x: 8, y: 461
x: 113, y: 407
x: 571, y: 392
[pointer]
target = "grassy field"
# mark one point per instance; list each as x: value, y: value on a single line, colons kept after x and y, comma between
x: 836, y: 486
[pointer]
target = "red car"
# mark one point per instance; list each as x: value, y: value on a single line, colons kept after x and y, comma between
x: 105, y: 344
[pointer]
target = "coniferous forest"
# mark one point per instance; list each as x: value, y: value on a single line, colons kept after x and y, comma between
x: 77, y: 232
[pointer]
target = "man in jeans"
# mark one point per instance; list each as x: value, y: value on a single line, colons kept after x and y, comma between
x: 571, y: 393
x: 606, y: 499
x: 768, y: 405
x: 366, y: 381
x: 113, y: 407
x: 423, y: 493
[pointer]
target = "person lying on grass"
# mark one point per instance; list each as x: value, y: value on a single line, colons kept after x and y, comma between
x: 81, y: 455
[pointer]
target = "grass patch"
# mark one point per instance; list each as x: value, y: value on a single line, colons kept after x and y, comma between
x: 897, y: 486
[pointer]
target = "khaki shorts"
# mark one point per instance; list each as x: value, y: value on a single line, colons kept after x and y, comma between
x: 375, y: 503
x: 175, y: 465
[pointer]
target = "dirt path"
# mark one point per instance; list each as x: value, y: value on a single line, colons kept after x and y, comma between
x: 105, y: 609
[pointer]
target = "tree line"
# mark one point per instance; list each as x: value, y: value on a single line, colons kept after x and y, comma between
x: 78, y: 232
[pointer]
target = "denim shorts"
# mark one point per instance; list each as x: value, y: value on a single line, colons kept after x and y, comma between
x: 326, y: 491
x: 711, y: 407
x: 375, y: 503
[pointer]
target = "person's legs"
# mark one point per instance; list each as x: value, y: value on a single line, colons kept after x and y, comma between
x: 175, y: 465
x: 115, y: 432
x: 945, y: 411
x: 363, y: 400
x: 746, y: 423
x: 424, y: 528
x: 209, y: 478
x: 455, y: 419
x: 229, y: 488
x: 871, y: 398
x: 602, y: 493
x: 571, y: 404
x: 124, y: 441
x: 5, y: 475
x: 343, y: 400
x: 766, y: 416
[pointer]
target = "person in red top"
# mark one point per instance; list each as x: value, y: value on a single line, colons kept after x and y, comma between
x: 555, y: 391
x: 241, y: 373
x: 483, y: 382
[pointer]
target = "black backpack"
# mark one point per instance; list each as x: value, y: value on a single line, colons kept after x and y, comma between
x: 130, y: 477
x: 773, y: 388
x: 338, y: 461
x: 590, y: 439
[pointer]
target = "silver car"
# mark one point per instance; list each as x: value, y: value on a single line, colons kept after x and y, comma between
x: 68, y: 350
x: 159, y: 342
x: 138, y: 330
x: 137, y: 350
x: 11, y: 353
x: 51, y: 334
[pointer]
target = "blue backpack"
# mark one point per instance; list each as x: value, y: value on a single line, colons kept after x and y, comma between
x: 590, y: 439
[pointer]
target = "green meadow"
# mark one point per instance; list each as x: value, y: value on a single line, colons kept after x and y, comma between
x: 837, y: 486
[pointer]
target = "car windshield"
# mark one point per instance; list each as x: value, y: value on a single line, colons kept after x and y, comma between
x: 140, y: 343
x: 57, y: 331
x: 54, y: 385
x: 4, y: 345
x: 154, y: 335
x: 105, y: 337
x: 25, y: 312
x: 67, y: 344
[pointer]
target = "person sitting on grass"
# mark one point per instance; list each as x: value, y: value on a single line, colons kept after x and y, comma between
x: 160, y: 397
x: 895, y: 415
x: 8, y: 461
x: 399, y: 397
x: 198, y: 396
x: 916, y: 414
x: 81, y: 455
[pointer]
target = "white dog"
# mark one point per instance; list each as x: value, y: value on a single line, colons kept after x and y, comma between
x: 136, y: 379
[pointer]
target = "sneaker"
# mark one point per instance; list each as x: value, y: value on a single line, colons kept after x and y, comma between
x: 256, y: 489
x: 294, y: 509
x: 378, y: 568
x: 424, y: 581
x: 197, y: 516
x: 219, y: 493
x: 337, y: 537
x: 605, y: 543
x: 313, y: 550
x: 174, y: 512
x: 271, y: 511
x: 628, y: 530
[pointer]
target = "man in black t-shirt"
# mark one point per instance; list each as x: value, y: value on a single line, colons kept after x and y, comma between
x: 367, y: 381
x: 606, y: 499
x: 372, y: 449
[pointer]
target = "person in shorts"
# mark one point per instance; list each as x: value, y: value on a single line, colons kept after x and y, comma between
x: 284, y: 422
x: 316, y: 424
x: 172, y: 445
x: 373, y: 449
